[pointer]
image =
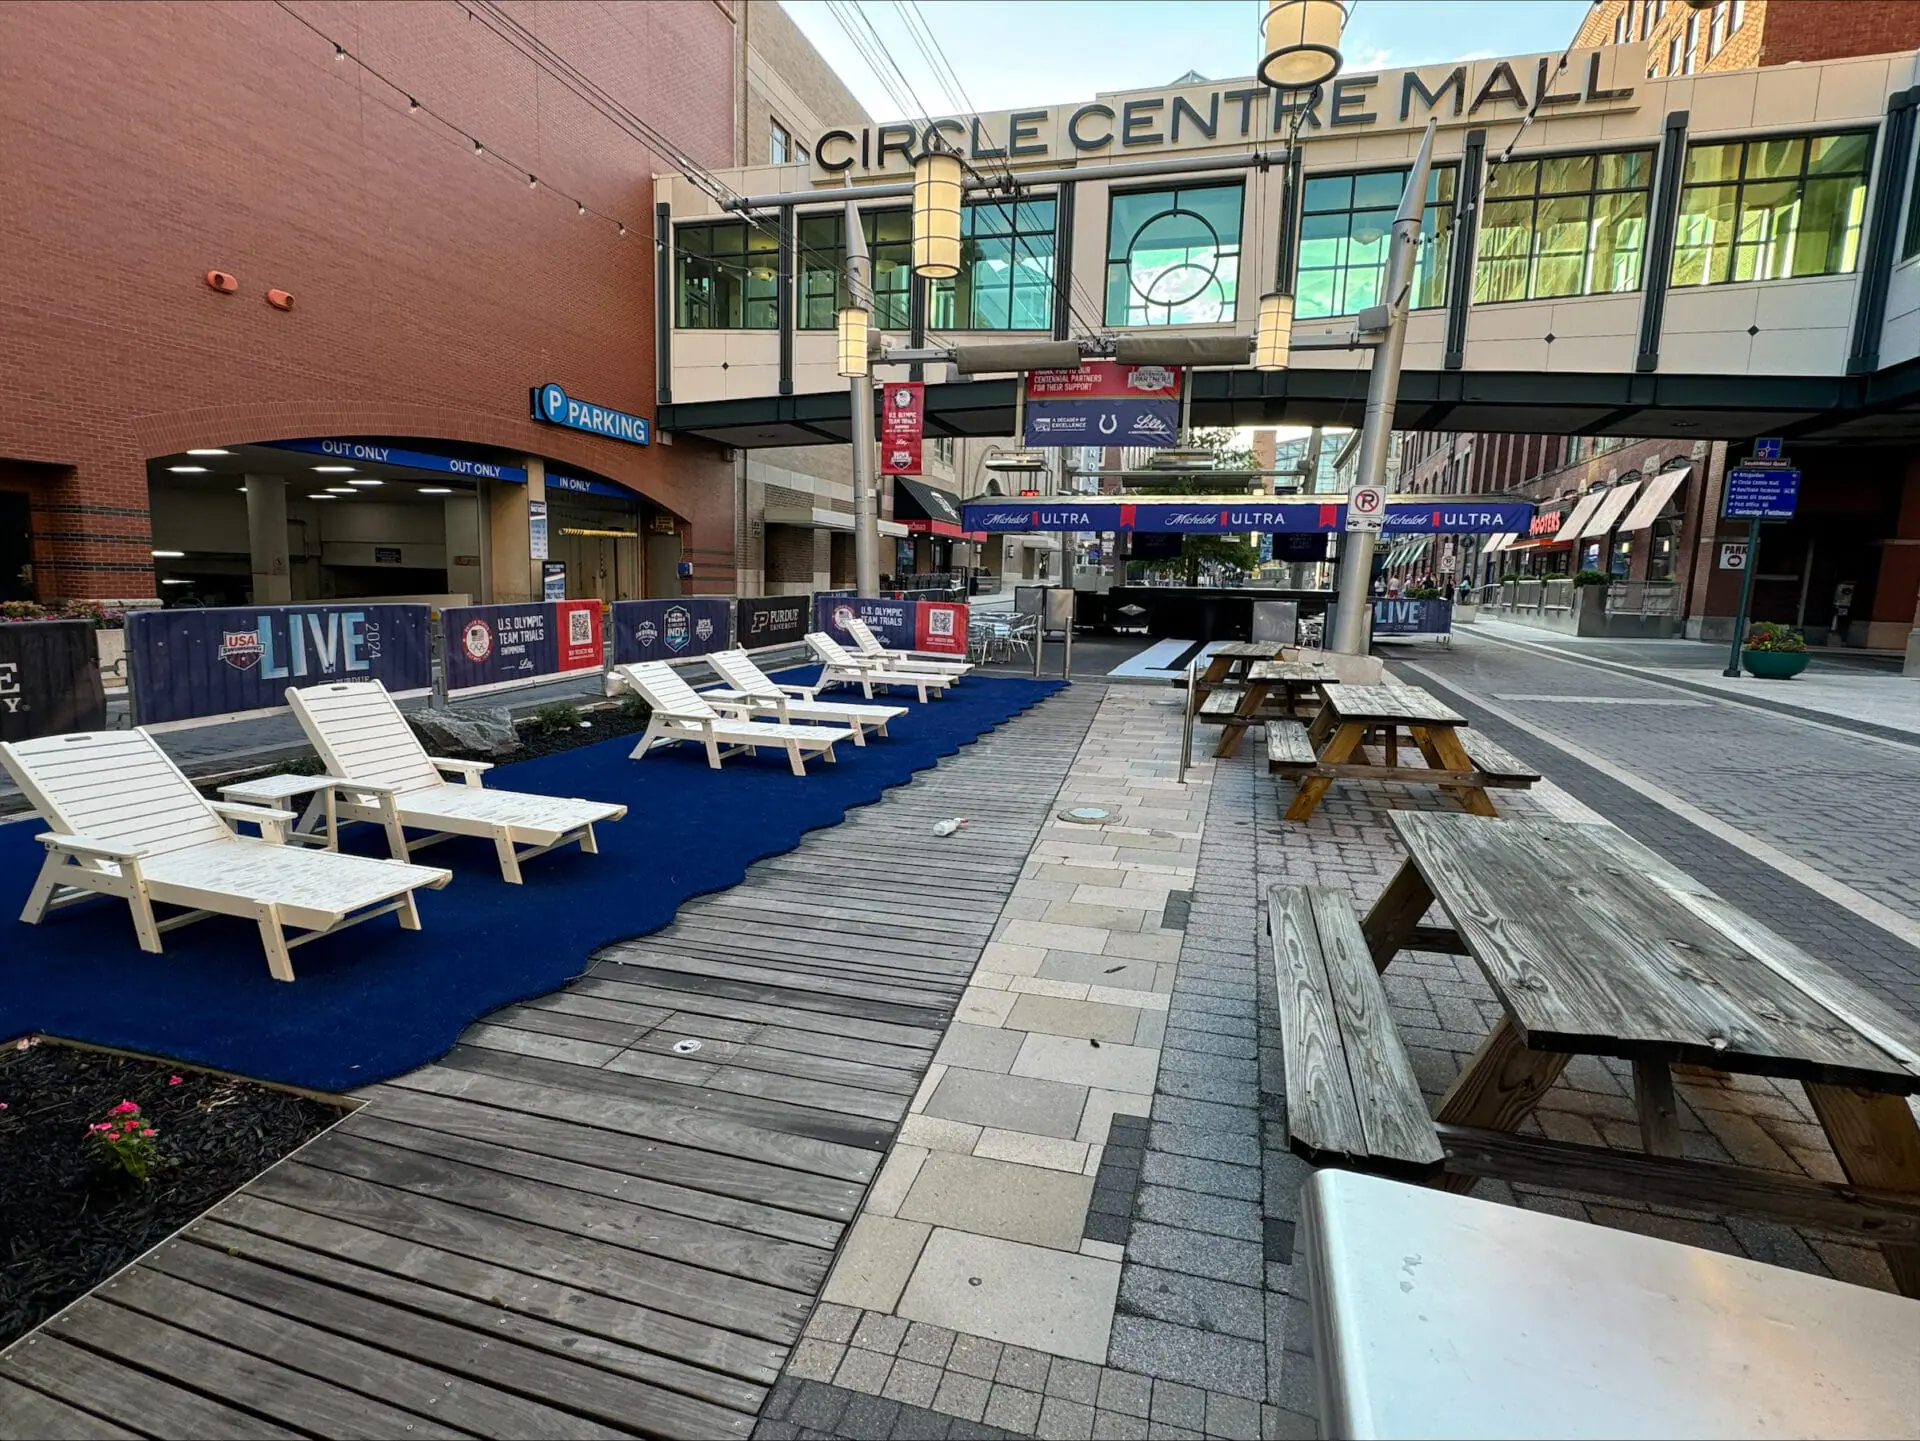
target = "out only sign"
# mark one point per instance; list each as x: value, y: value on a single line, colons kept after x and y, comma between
x: 1367, y: 509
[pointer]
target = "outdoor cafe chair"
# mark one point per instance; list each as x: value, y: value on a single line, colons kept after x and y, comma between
x: 725, y: 728
x: 762, y: 695
x: 126, y: 822
x: 387, y: 777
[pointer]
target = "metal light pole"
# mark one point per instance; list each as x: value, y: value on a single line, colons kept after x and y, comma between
x: 866, y: 523
x: 1356, y: 546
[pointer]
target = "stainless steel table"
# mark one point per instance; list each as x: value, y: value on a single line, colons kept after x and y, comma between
x: 1439, y: 1315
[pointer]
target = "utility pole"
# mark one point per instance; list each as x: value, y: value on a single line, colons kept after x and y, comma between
x: 1356, y: 546
x: 866, y: 521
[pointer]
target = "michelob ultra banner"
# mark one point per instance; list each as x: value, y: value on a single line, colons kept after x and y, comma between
x: 490, y: 645
x: 936, y: 627
x: 669, y: 629
x: 188, y: 664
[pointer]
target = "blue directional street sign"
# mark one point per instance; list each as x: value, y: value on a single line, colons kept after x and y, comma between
x: 1761, y: 492
x: 1767, y: 447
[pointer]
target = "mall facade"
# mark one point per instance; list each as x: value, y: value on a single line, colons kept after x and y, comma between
x: 291, y: 284
x: 1607, y: 255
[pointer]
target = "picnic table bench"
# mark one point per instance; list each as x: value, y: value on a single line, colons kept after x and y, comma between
x: 1228, y: 663
x: 1237, y: 708
x: 1593, y: 945
x: 1332, y: 747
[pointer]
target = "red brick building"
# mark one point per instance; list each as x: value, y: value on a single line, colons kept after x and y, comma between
x: 439, y: 261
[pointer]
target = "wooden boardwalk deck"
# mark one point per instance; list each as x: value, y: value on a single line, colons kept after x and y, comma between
x: 580, y: 1224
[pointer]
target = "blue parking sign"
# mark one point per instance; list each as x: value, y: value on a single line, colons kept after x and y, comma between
x: 1761, y: 492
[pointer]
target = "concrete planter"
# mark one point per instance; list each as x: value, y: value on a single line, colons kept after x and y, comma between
x: 113, y: 655
x: 1774, y: 664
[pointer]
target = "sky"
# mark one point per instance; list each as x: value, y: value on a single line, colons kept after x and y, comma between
x: 1009, y: 54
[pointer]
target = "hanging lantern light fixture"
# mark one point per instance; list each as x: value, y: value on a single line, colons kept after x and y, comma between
x: 936, y: 212
x: 851, y: 325
x: 1302, y: 40
x: 1275, y: 334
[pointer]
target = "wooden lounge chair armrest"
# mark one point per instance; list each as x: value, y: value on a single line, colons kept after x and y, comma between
x: 371, y: 788
x: 273, y: 822
x: 469, y: 771
x: 89, y: 849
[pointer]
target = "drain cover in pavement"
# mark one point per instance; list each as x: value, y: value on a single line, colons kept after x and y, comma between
x: 1085, y: 815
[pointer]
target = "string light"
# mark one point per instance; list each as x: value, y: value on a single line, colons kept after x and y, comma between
x: 414, y: 107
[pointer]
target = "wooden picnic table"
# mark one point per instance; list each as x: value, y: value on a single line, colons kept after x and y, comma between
x: 1595, y: 945
x: 1235, y: 710
x: 1230, y: 662
x: 1332, y: 747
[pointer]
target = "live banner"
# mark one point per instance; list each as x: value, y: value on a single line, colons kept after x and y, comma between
x: 937, y: 627
x: 768, y: 620
x: 190, y: 664
x: 492, y: 645
x: 1412, y: 617
x: 50, y: 679
x: 669, y: 629
x: 902, y: 418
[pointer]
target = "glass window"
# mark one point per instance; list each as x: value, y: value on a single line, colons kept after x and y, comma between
x: 1563, y: 225
x: 1173, y: 256
x: 1006, y: 271
x: 1692, y: 43
x: 1673, y: 55
x: 823, y: 259
x: 1717, y: 30
x: 1772, y: 209
x: 1345, y: 223
x: 779, y: 144
x: 726, y: 277
x: 1910, y: 245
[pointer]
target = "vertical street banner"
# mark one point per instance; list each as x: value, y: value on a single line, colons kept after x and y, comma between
x: 190, y: 664
x: 903, y: 408
x: 576, y: 635
x: 50, y: 679
x: 669, y: 629
x: 766, y: 620
x: 1103, y: 403
x: 937, y: 627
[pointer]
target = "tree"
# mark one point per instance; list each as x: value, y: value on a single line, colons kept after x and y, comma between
x: 1231, y: 453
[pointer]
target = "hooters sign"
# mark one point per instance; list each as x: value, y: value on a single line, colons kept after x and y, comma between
x: 902, y: 426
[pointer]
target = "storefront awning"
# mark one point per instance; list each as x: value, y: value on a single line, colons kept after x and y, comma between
x: 816, y: 517
x: 1654, y: 498
x: 1607, y: 513
x: 1576, y: 520
x: 1498, y: 542
x: 1239, y: 514
x: 925, y: 509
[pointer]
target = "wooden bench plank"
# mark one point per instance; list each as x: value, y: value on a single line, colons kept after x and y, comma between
x: 1288, y: 746
x: 28, y: 1415
x: 1393, y: 1113
x: 1494, y: 761
x: 1323, y: 1117
x: 1220, y: 704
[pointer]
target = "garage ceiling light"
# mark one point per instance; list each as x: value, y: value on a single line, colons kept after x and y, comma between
x: 333, y: 470
x: 209, y: 452
x: 339, y: 490
x: 176, y: 582
x: 188, y: 469
x: 436, y: 490
x: 365, y: 482
x: 322, y: 495
x: 169, y: 555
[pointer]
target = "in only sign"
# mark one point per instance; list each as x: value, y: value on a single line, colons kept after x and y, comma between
x: 1367, y: 509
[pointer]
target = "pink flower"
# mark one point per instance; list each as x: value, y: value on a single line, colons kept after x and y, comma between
x: 173, y: 1080
x: 149, y: 1133
x: 125, y: 1108
x: 3, y: 1105
x: 100, y: 1126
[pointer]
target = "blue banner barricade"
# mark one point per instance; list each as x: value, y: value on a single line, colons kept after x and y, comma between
x: 501, y: 646
x: 937, y: 627
x: 670, y: 629
x: 188, y: 665
x: 768, y: 620
x: 1412, y: 617
x: 50, y: 679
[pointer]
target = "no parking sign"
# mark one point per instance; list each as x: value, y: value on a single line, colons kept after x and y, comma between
x: 1367, y: 509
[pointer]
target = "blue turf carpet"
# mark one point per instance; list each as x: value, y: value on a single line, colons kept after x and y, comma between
x: 375, y: 1001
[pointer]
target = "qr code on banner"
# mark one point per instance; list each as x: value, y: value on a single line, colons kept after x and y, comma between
x: 580, y: 627
x: 939, y: 622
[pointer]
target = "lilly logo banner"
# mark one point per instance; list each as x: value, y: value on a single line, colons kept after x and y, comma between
x: 190, y: 664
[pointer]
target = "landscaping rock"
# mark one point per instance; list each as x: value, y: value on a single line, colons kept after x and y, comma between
x: 470, y: 731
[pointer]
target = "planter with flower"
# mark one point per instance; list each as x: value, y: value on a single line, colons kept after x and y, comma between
x: 1774, y: 652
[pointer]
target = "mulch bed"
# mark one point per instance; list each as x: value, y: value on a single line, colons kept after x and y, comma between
x: 67, y: 1220
x: 606, y: 725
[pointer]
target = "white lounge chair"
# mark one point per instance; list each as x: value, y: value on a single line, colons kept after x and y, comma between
x: 392, y: 781
x: 748, y: 684
x: 725, y: 728
x: 127, y: 823
x: 839, y: 667
x: 867, y: 646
